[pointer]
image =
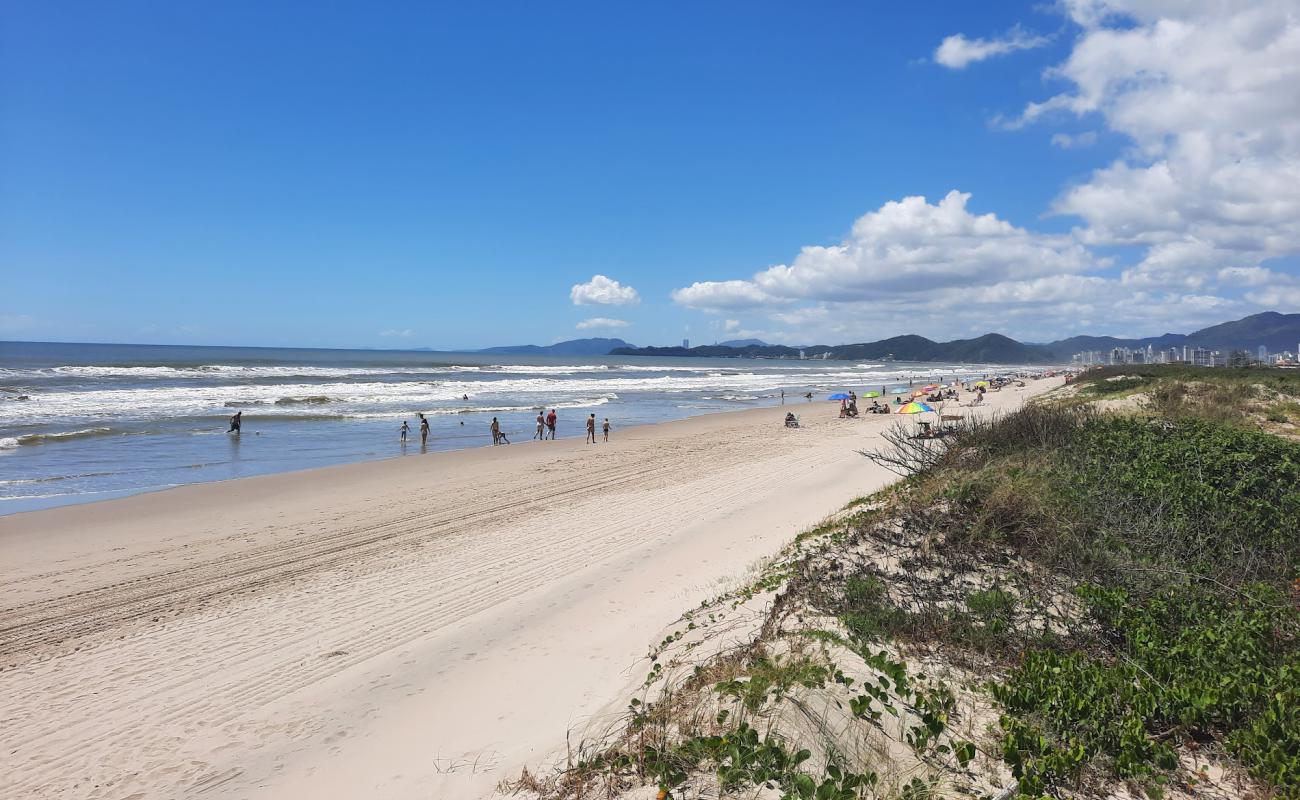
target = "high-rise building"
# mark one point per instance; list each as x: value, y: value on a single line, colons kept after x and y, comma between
x: 1263, y: 354
x: 686, y: 344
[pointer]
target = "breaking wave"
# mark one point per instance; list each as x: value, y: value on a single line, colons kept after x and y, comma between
x: 10, y: 442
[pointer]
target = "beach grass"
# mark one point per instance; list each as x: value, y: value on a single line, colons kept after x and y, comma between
x: 1118, y: 592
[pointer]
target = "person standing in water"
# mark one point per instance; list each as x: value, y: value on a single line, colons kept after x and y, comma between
x: 496, y: 431
x: 605, y: 427
x: 236, y: 421
x: 783, y: 397
x: 424, y: 431
x: 541, y: 427
x: 403, y: 431
x: 550, y: 424
x: 591, y: 429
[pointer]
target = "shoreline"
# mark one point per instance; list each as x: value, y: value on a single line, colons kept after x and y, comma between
x: 130, y: 493
x: 397, y: 628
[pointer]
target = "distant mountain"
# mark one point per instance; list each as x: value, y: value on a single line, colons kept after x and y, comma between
x: 1275, y: 331
x: 573, y: 347
x: 1271, y: 329
x: 722, y: 351
x: 991, y: 348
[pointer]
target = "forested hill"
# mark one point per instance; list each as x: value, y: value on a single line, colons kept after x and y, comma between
x: 1277, y: 332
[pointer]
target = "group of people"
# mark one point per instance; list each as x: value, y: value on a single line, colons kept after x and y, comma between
x: 546, y: 428
x: 849, y: 406
x: 546, y: 423
x: 424, y: 430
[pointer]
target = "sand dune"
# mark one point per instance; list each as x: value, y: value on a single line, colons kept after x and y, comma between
x: 412, y: 628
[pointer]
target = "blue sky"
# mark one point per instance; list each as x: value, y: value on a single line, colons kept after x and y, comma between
x: 346, y: 174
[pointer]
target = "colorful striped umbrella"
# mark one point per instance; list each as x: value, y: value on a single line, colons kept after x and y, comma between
x: 914, y: 408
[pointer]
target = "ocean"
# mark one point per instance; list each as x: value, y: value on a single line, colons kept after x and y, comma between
x: 82, y: 422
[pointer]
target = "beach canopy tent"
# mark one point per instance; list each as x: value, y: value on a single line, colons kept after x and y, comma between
x: 838, y: 396
x: 914, y: 408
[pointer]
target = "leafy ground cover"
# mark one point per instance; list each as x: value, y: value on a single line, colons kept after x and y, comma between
x: 1180, y: 537
x: 1120, y: 595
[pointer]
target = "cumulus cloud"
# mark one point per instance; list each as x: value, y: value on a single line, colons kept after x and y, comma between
x: 719, y: 295
x: 1205, y: 91
x: 1201, y: 207
x: 603, y: 291
x: 602, y: 322
x: 904, y: 247
x: 957, y: 52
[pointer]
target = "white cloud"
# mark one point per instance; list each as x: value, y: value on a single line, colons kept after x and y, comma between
x: 1206, y: 93
x: 1067, y: 141
x: 1202, y: 207
x: 718, y: 295
x: 956, y: 51
x: 904, y: 247
x: 399, y: 333
x: 603, y: 291
x: 602, y: 322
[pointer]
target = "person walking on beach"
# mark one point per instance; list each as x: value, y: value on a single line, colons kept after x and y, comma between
x: 550, y: 424
x: 236, y: 421
x: 605, y: 427
x: 541, y: 427
x: 424, y: 431
x: 404, y: 430
x: 591, y: 429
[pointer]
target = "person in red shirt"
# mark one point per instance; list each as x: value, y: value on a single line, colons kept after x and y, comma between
x: 550, y: 423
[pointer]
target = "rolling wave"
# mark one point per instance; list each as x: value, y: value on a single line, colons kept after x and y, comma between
x: 10, y: 442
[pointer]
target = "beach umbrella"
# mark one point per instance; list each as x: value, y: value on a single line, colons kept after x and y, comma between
x: 899, y: 390
x: 838, y: 396
x: 914, y: 408
x: 920, y: 393
x: 930, y: 388
x: 871, y: 394
x: 981, y: 383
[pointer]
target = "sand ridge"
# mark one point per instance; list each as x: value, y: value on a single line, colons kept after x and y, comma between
x: 418, y: 627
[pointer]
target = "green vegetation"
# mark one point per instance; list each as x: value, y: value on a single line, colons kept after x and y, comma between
x: 1282, y: 381
x: 1180, y: 538
x: 1126, y: 589
x: 1116, y: 386
x: 1243, y: 397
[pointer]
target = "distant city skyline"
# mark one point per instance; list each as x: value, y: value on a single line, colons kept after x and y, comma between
x: 460, y: 176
